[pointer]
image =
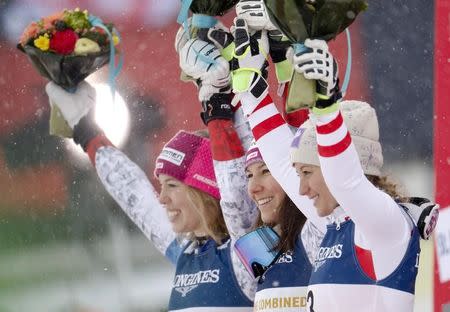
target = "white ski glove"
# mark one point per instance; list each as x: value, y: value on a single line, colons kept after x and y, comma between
x: 424, y: 212
x: 255, y: 14
x: 249, y: 64
x: 203, y: 62
x: 73, y: 106
x: 218, y: 34
x: 317, y: 63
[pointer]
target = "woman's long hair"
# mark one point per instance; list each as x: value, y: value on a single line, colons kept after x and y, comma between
x: 209, y: 209
x: 290, y: 222
x: 386, y: 185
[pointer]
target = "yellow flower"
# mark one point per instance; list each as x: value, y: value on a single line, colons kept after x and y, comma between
x: 42, y: 42
x: 115, y: 39
x: 86, y: 14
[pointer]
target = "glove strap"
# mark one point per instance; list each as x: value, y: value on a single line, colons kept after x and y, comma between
x: 242, y: 78
x: 258, y: 86
x: 203, y: 21
x: 326, y: 110
x: 324, y: 101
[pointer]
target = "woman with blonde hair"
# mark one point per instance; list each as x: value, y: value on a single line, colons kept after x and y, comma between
x: 185, y: 222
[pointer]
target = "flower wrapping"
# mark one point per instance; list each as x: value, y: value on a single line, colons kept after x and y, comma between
x: 314, y: 19
x: 66, y: 47
x: 212, y: 7
x: 66, y: 71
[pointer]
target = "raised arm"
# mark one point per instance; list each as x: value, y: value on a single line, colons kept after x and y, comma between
x: 272, y: 134
x: 122, y: 178
x: 238, y: 209
x: 368, y: 206
x: 343, y: 169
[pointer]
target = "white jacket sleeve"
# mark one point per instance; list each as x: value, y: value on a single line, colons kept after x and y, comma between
x: 238, y: 209
x: 131, y: 189
x: 239, y: 212
x: 273, y: 137
x: 380, y: 224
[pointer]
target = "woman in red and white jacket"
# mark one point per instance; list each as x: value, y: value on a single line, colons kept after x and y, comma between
x: 368, y: 259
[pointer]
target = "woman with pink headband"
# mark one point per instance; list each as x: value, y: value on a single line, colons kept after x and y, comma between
x: 185, y: 223
x: 282, y: 269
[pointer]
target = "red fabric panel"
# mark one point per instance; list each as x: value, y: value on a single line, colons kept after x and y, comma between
x: 365, y: 261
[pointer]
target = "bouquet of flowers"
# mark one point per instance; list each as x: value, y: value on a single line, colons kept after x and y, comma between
x: 314, y: 19
x: 66, y: 47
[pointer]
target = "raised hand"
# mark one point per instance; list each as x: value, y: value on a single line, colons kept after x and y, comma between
x: 249, y: 65
x: 73, y: 106
x: 278, y: 46
x: 317, y: 63
x: 203, y: 62
x: 255, y: 14
x: 219, y: 35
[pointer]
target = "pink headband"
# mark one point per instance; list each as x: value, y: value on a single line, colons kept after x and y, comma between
x: 187, y: 157
x: 253, y: 156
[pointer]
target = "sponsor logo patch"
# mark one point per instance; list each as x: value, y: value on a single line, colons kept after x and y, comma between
x: 252, y: 155
x: 184, y: 290
x: 184, y: 283
x: 172, y: 155
x: 205, y: 180
x: 324, y: 253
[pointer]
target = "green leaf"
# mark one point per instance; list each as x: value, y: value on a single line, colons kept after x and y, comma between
x: 76, y: 20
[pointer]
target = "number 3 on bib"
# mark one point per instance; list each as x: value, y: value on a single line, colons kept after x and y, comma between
x: 310, y: 300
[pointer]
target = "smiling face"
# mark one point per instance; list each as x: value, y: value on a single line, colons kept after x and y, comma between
x: 181, y: 212
x: 265, y: 191
x: 314, y: 187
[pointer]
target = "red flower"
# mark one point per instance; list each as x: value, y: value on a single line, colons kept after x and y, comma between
x: 63, y: 42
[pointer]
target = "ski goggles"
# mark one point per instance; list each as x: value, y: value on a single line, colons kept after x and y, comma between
x: 256, y: 250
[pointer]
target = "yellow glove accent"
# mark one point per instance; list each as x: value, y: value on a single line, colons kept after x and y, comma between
x: 284, y: 71
x: 228, y: 51
x: 327, y: 110
x: 242, y: 78
x: 321, y: 97
x: 247, y: 50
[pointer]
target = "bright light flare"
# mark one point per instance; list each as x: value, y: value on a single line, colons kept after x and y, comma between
x: 111, y: 116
